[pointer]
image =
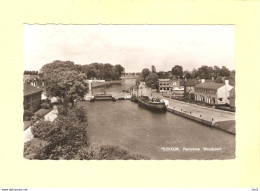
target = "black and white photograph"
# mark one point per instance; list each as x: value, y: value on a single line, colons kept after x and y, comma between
x: 129, y: 92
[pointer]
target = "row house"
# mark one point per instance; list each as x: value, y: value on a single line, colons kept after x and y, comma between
x: 213, y: 93
x: 177, y: 87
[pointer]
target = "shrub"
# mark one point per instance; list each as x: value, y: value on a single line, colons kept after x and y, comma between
x: 65, y: 136
x: 115, y: 153
x: 27, y: 115
x: 46, y: 104
x: 42, y: 129
x: 108, y: 152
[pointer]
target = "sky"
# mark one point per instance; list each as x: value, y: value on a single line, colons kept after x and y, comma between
x: 133, y: 46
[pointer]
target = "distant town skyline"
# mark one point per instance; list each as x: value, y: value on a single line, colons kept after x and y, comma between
x: 133, y: 46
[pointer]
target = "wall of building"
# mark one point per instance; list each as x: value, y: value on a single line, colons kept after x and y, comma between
x: 220, y: 95
x: 164, y: 85
x: 32, y: 102
x: 223, y: 92
x: 210, y: 98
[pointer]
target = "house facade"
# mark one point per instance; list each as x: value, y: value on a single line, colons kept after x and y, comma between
x: 175, y: 88
x: 213, y: 93
x: 32, y: 97
x: 164, y: 85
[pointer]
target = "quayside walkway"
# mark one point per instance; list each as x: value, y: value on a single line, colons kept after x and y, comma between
x: 223, y: 120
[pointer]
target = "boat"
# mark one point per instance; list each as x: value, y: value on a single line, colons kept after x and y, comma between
x: 134, y: 98
x: 151, y: 104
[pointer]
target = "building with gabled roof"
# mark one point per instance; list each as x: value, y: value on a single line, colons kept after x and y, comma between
x: 32, y: 97
x: 213, y: 93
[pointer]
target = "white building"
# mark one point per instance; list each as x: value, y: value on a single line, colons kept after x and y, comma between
x: 213, y: 93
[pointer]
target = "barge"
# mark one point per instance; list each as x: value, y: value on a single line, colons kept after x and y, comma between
x: 151, y: 104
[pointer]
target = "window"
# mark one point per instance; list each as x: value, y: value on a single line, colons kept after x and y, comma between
x: 220, y: 99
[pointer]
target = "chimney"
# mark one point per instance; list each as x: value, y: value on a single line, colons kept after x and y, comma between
x: 226, y: 82
x: 202, y: 80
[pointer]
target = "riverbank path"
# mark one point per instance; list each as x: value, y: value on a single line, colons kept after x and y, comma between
x: 223, y: 119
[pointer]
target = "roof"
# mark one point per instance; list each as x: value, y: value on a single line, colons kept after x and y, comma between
x: 28, y: 89
x: 232, y: 90
x: 31, y: 77
x: 210, y: 85
x: 164, y: 79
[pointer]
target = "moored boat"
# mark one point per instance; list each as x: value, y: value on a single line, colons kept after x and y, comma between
x: 134, y: 98
x: 152, y: 104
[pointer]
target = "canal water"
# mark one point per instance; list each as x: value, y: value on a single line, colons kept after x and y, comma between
x: 156, y: 135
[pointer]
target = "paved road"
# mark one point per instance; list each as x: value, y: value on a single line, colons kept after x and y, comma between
x: 196, y: 110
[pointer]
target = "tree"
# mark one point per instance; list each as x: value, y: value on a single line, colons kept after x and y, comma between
x: 193, y: 73
x: 30, y: 72
x: 64, y: 81
x: 138, y: 80
x: 188, y: 75
x: 151, y: 80
x: 65, y: 136
x: 57, y: 65
x: 145, y: 73
x: 177, y: 71
x: 205, y: 72
x: 225, y: 72
x: 163, y: 75
x: 103, y: 71
x: 216, y: 71
x: 219, y: 79
x: 153, y: 69
x: 119, y: 69
x: 233, y: 74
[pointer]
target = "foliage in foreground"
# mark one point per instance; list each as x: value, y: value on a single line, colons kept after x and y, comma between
x: 65, y: 136
x: 108, y: 152
x: 27, y: 115
x: 33, y: 148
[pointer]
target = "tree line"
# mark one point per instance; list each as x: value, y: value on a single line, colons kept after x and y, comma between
x: 177, y: 72
x: 28, y: 72
x: 67, y: 80
x: 203, y: 72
